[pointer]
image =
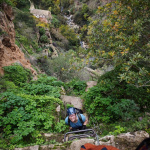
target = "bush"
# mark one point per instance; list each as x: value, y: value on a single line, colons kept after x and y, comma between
x: 112, y: 100
x: 41, y: 89
x: 42, y: 31
x: 124, y: 109
x: 44, y: 39
x: 59, y: 67
x: 22, y: 4
x: 7, y: 86
x: 55, y: 22
x: 25, y: 42
x: 21, y: 116
x: 75, y: 87
x: 17, y: 74
x: 69, y: 34
x: 25, y: 17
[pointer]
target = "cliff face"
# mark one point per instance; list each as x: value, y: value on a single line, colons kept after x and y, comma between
x: 9, y: 51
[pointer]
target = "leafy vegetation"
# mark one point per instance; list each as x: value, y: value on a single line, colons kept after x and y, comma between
x: 75, y: 87
x: 113, y: 102
x: 30, y: 109
x: 17, y: 74
x: 69, y: 34
x: 117, y: 33
x: 59, y: 67
x: 81, y: 16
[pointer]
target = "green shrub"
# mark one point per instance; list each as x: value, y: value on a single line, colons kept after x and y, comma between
x: 59, y: 67
x: 44, y: 39
x: 112, y: 100
x: 55, y: 22
x: 42, y: 31
x: 7, y: 85
x: 118, y: 130
x: 25, y: 42
x: 22, y: 3
x: 25, y: 17
x: 75, y: 87
x: 122, y: 90
x: 23, y: 116
x: 17, y: 74
x: 41, y: 89
x: 69, y: 34
x: 43, y: 78
x: 124, y: 109
x: 61, y: 127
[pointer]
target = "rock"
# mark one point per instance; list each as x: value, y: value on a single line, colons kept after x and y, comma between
x: 125, y: 141
x: 47, y: 135
x: 63, y: 92
x: 75, y: 101
x: 8, y: 11
x: 54, y: 53
x: 58, y: 108
x: 76, y: 145
x: 90, y: 84
x: 47, y: 147
x: 9, y: 51
x: 36, y: 147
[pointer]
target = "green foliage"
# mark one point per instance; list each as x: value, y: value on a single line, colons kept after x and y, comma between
x: 148, y: 130
x: 118, y: 130
x: 69, y: 34
x: 43, y: 78
x: 65, y: 3
x: 140, y: 124
x: 125, y: 109
x: 43, y: 36
x: 44, y: 39
x: 26, y: 31
x: 17, y: 74
x: 42, y: 31
x: 55, y: 22
x: 7, y: 85
x: 22, y: 115
x: 75, y: 87
x: 59, y: 67
x: 81, y: 16
x: 26, y: 43
x: 21, y: 16
x: 69, y: 105
x: 119, y: 35
x: 9, y: 2
x: 41, y: 89
x: 112, y: 100
x: 21, y: 4
x: 60, y: 127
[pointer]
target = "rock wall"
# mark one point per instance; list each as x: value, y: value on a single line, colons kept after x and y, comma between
x: 9, y: 51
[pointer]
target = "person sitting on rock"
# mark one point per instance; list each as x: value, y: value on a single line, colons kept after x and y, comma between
x: 75, y: 120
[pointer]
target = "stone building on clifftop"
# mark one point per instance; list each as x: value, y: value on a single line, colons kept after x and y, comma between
x: 44, y: 15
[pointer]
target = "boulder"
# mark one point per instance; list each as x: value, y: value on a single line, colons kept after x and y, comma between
x: 75, y: 101
x: 90, y: 84
x: 9, y: 52
x: 76, y: 145
x: 125, y: 141
x: 36, y: 147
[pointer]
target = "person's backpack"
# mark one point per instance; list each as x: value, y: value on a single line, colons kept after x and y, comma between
x: 78, y: 112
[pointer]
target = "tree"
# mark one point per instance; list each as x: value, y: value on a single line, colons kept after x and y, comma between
x: 120, y: 34
x: 69, y: 34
